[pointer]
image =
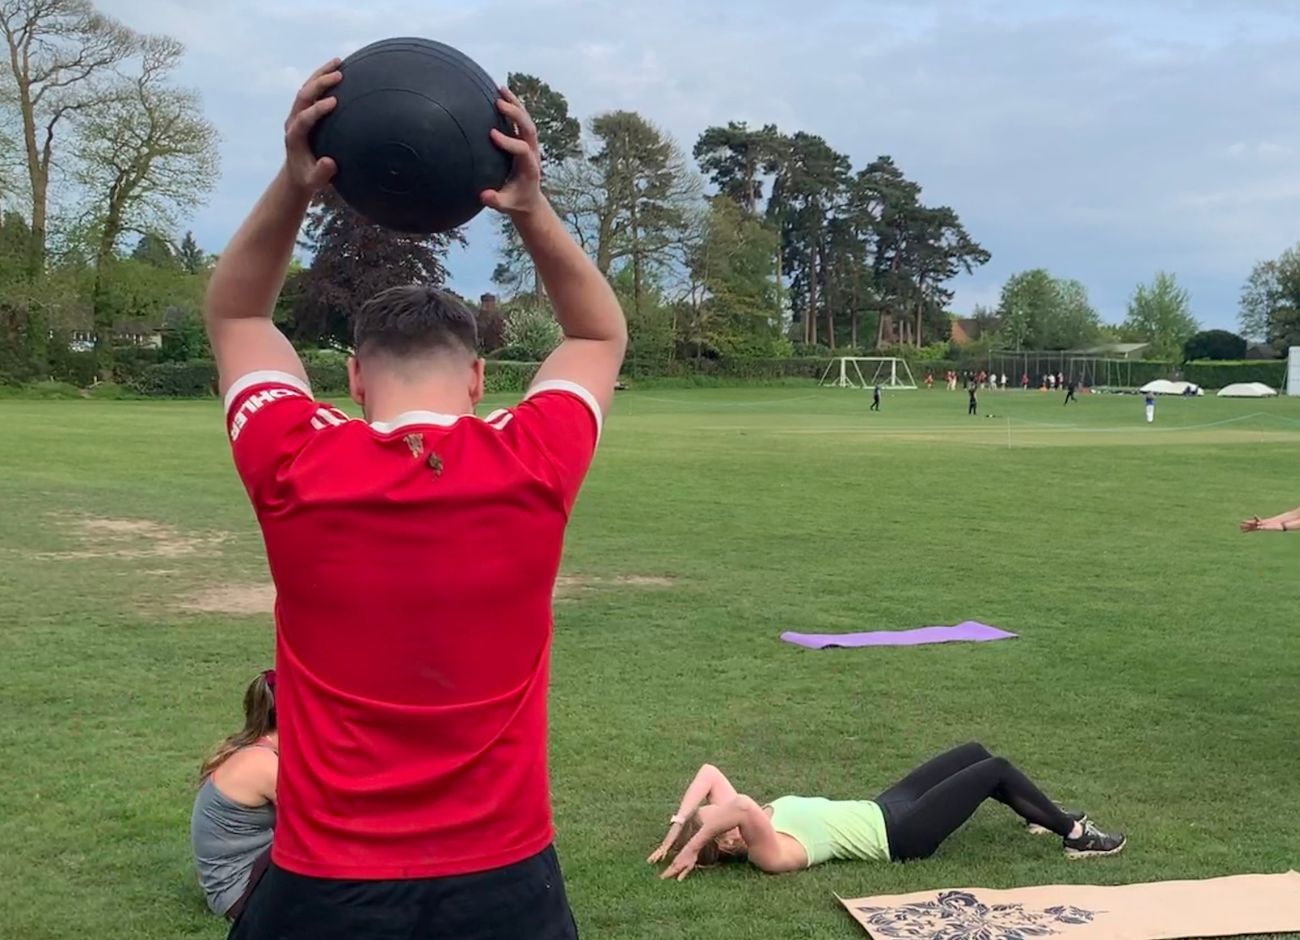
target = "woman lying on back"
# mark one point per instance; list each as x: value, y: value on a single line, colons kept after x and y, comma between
x: 908, y: 821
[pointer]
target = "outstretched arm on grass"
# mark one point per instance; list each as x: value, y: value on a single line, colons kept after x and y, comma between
x: 1283, y: 522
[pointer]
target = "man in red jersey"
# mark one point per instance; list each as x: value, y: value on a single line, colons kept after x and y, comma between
x: 414, y: 554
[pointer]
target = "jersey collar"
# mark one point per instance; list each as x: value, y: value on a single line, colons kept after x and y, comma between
x: 408, y: 418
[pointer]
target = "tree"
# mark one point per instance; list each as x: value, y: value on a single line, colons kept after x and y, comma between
x: 1160, y: 314
x: 531, y: 330
x: 1038, y: 311
x: 1215, y: 344
x: 1270, y: 302
x: 143, y: 155
x: 735, y: 158
x: 638, y: 198
x: 1074, y: 322
x: 157, y: 251
x: 559, y: 136
x: 352, y: 261
x: 61, y: 53
x: 192, y: 258
x: 731, y: 306
x: 809, y: 185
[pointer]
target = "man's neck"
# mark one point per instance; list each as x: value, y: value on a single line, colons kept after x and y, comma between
x: 386, y: 405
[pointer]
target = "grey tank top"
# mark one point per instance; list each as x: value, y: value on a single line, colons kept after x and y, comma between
x: 227, y: 838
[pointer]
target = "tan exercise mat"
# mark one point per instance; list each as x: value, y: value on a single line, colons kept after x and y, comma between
x: 1162, y: 910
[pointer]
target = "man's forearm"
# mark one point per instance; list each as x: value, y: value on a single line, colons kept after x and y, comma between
x: 251, y: 271
x: 584, y: 303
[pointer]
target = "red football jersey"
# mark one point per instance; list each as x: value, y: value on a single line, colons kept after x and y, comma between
x: 414, y: 563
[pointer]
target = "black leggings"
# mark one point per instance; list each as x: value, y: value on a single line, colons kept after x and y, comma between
x: 936, y: 799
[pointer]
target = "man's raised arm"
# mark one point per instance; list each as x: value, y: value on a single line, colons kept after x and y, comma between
x: 595, y: 331
x: 250, y: 273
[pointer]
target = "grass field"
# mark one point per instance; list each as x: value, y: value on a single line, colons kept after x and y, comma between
x: 1155, y: 683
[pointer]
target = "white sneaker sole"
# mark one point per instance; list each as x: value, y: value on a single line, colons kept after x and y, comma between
x: 1075, y: 855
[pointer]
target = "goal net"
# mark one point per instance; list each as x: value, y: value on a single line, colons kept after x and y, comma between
x: 868, y: 372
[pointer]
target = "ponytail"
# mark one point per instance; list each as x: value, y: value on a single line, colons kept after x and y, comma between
x: 259, y: 721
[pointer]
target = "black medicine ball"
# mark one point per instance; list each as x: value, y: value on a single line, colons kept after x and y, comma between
x: 410, y: 135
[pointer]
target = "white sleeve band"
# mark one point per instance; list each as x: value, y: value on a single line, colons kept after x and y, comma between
x: 573, y: 388
x: 265, y: 377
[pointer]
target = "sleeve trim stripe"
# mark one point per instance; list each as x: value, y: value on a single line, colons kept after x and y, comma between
x: 573, y: 388
x: 264, y: 377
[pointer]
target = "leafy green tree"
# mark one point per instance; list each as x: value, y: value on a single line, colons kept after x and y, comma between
x: 157, y: 251
x: 732, y: 306
x: 184, y: 337
x: 1038, y: 311
x: 1215, y: 344
x: 1160, y: 314
x: 531, y: 330
x: 1270, y: 302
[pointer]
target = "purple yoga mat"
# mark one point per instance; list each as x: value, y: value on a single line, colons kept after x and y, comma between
x: 970, y: 632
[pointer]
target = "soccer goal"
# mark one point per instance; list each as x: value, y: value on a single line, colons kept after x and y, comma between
x: 868, y: 372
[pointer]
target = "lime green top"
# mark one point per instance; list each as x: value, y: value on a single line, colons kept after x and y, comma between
x: 832, y: 829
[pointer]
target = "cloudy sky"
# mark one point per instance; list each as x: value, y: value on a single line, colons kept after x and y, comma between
x: 1102, y: 140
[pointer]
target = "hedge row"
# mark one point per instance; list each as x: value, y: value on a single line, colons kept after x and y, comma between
x: 198, y: 378
x: 1218, y: 374
x: 135, y: 371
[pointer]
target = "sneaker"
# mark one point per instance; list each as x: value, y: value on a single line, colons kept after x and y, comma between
x: 1094, y: 843
x: 1076, y: 815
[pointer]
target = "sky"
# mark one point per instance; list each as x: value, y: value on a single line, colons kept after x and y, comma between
x: 1104, y: 141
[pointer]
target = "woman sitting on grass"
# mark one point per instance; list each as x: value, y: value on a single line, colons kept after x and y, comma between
x: 234, y: 811
x: 906, y: 822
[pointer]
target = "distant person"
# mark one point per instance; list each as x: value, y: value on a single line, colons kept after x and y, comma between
x: 1060, y: 380
x: 1004, y: 381
x: 907, y: 822
x: 1024, y: 382
x: 1070, y: 390
x: 929, y: 380
x: 974, y: 401
x: 1151, y: 407
x: 234, y: 811
x: 875, y: 398
x: 1051, y: 382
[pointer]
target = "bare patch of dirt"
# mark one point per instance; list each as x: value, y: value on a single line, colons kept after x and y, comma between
x: 569, y: 585
x: 131, y: 539
x: 239, y: 599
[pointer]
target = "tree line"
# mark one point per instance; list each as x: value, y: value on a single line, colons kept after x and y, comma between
x: 757, y: 243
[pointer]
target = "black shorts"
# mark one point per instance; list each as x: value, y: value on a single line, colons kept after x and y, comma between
x: 523, y: 901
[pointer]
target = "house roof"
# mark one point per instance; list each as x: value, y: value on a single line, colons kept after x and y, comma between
x: 1110, y: 349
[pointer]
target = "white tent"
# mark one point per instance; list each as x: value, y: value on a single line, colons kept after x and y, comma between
x: 1166, y: 387
x: 1247, y: 390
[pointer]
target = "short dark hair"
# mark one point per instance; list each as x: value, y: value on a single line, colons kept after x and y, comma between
x: 412, y: 320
